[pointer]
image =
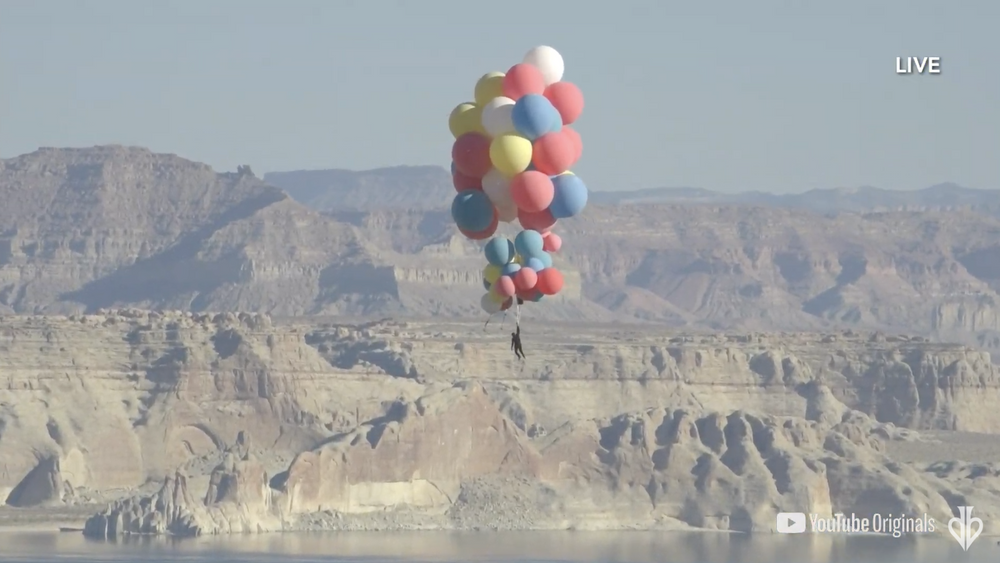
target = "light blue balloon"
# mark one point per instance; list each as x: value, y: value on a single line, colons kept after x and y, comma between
x: 570, y: 196
x: 499, y: 251
x: 529, y: 243
x: 472, y: 210
x: 510, y: 269
x: 534, y: 115
x: 546, y: 259
x: 535, y: 264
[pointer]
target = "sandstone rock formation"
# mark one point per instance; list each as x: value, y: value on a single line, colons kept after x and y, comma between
x: 82, y: 229
x: 190, y: 423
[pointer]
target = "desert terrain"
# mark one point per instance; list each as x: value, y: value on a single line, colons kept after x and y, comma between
x: 190, y: 352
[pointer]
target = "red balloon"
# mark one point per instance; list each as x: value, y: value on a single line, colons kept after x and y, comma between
x: 550, y: 281
x: 471, y: 153
x: 486, y: 233
x: 532, y: 191
x: 506, y: 304
x: 543, y: 221
x: 551, y: 242
x: 463, y: 182
x: 553, y: 153
x: 567, y: 99
x: 505, y: 286
x: 574, y: 138
x: 523, y: 79
x: 525, y: 279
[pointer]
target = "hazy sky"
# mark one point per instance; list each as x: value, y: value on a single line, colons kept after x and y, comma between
x: 769, y: 95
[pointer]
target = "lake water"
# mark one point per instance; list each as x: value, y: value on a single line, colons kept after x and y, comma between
x: 520, y: 547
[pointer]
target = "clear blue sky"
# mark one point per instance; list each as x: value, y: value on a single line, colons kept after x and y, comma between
x: 768, y: 95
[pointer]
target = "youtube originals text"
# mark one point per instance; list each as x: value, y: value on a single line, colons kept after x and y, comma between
x: 890, y: 524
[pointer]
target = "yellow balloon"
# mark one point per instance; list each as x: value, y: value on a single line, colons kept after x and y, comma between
x: 496, y: 297
x: 489, y: 86
x: 491, y: 273
x: 466, y: 118
x: 510, y: 154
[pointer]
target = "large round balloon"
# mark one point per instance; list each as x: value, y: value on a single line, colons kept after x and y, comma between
x: 497, y: 116
x: 529, y: 243
x: 471, y: 154
x: 546, y: 259
x: 505, y: 286
x: 489, y: 86
x: 553, y: 153
x: 550, y: 281
x: 553, y: 242
x: 489, y: 305
x: 535, y: 263
x: 523, y: 79
x: 525, y: 279
x: 499, y: 251
x: 567, y: 99
x: 465, y: 118
x: 485, y: 233
x: 570, y: 196
x: 464, y: 182
x: 509, y: 269
x: 510, y: 154
x: 532, y: 191
x: 548, y: 61
x: 472, y: 211
x: 574, y: 138
x: 497, y: 188
x: 491, y: 273
x: 534, y: 115
x: 507, y: 212
x: 543, y: 221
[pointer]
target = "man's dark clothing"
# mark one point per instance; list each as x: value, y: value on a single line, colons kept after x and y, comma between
x: 515, y: 343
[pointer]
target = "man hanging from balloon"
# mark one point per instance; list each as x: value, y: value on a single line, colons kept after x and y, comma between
x: 511, y: 161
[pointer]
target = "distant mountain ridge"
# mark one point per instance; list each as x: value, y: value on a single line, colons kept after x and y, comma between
x: 429, y: 187
x: 103, y: 227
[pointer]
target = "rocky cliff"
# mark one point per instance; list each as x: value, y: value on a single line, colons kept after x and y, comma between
x: 82, y: 229
x: 210, y: 423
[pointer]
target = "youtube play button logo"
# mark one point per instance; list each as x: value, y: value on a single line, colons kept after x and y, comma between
x: 791, y: 523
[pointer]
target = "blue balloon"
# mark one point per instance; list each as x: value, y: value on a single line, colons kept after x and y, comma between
x: 535, y: 264
x: 537, y: 296
x: 534, y: 115
x: 487, y: 284
x: 472, y: 210
x: 529, y: 243
x: 499, y: 251
x: 546, y: 259
x: 570, y: 196
x: 510, y: 269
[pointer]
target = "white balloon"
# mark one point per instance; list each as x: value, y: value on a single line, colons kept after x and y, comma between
x: 497, y: 188
x: 507, y: 212
x: 547, y: 60
x: 496, y: 117
x: 489, y: 305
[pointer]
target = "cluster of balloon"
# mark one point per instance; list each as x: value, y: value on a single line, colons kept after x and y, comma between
x: 520, y: 268
x: 511, y: 160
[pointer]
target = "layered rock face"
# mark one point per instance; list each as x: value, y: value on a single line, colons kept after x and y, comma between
x: 196, y: 423
x: 82, y: 229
